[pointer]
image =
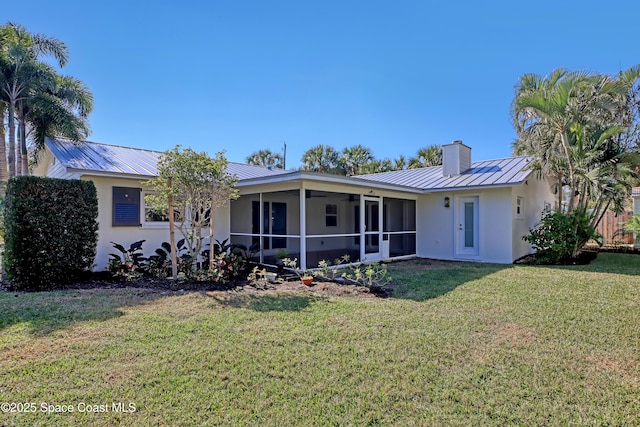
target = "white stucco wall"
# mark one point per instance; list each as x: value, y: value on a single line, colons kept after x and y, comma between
x: 535, y: 193
x: 437, y: 232
x: 153, y: 234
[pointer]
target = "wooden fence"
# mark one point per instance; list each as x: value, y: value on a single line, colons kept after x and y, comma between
x: 611, y: 228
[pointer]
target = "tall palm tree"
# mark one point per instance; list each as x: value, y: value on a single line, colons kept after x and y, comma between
x: 59, y: 112
x: 4, y: 173
x: 571, y: 124
x: 321, y: 158
x: 427, y: 156
x: 266, y: 158
x: 21, y: 71
x: 353, y: 159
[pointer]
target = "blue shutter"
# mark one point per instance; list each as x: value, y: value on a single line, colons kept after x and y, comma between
x: 126, y: 206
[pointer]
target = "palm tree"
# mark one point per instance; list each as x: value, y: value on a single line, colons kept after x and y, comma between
x: 21, y: 72
x: 427, y: 156
x: 60, y: 112
x: 265, y: 158
x: 4, y: 173
x: 353, y: 159
x: 377, y: 166
x: 321, y: 158
x: 400, y: 163
x: 571, y: 124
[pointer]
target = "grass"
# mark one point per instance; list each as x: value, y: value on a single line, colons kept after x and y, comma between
x: 471, y: 344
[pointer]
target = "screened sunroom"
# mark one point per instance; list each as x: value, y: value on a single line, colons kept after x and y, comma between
x: 312, y: 223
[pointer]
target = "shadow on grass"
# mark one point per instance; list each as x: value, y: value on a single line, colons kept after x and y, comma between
x: 270, y: 302
x: 420, y: 280
x: 618, y: 263
x: 46, y: 312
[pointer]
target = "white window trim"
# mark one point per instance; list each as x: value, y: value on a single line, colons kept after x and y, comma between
x: 520, y: 204
x: 143, y: 216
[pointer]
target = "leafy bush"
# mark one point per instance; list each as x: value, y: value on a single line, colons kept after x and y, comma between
x: 557, y: 238
x: 331, y: 271
x: 130, y: 265
x: 50, y: 231
x: 369, y: 275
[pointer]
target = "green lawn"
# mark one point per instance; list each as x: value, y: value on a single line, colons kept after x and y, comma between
x: 472, y: 344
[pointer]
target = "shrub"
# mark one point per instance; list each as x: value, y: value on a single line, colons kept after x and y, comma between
x: 557, y: 238
x: 50, y: 231
x: 369, y: 275
x: 129, y: 264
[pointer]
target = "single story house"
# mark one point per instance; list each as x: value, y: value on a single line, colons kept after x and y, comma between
x: 462, y: 210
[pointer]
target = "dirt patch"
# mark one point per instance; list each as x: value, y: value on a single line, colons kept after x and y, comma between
x: 425, y: 264
x: 147, y: 284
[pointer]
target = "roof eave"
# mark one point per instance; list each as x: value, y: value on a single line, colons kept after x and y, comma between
x: 337, y: 179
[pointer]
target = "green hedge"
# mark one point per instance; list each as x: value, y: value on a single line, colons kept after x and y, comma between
x: 50, y: 231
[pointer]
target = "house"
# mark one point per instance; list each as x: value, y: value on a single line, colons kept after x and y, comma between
x: 462, y: 210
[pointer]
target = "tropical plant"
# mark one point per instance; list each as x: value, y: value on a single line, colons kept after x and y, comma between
x: 197, y: 185
x: 572, y: 124
x: 35, y: 96
x: 560, y: 236
x: 331, y: 270
x: 632, y: 225
x: 400, y: 163
x: 369, y: 274
x: 266, y: 158
x: 128, y: 264
x: 61, y: 110
x: 427, y: 156
x: 377, y: 166
x: 292, y: 264
x: 354, y: 159
x: 321, y: 158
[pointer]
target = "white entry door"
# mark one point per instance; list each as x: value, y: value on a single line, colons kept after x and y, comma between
x: 467, y: 226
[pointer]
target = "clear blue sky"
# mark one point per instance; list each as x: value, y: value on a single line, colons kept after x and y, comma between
x: 393, y: 76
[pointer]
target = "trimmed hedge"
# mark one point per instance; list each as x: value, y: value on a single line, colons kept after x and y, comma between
x: 51, y: 231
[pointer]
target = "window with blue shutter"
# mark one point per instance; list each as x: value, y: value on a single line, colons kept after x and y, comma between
x: 126, y: 206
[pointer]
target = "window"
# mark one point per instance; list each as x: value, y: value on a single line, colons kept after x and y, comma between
x: 519, y: 207
x: 331, y: 215
x: 126, y: 207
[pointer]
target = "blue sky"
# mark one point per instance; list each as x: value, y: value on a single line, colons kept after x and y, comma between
x: 393, y: 76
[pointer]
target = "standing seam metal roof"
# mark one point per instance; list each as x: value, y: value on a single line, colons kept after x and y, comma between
x: 103, y: 158
x: 93, y: 157
x: 509, y: 171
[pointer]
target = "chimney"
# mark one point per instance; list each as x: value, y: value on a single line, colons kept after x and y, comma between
x: 456, y: 158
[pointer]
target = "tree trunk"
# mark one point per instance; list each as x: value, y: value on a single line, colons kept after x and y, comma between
x: 172, y: 236
x: 211, y: 230
x: 4, y: 174
x: 12, y: 141
x: 24, y: 156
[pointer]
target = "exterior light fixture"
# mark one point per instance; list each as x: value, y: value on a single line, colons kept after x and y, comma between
x: 447, y: 202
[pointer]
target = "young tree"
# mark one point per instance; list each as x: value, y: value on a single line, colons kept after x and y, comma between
x: 197, y: 184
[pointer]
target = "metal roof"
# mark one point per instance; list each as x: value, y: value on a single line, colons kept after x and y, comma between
x: 103, y: 159
x: 635, y: 192
x: 500, y: 172
x: 93, y: 157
